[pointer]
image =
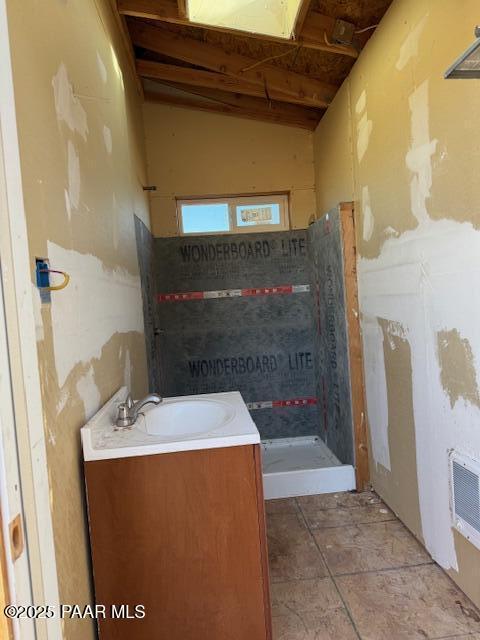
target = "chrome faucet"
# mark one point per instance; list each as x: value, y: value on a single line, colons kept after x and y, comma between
x: 129, y: 410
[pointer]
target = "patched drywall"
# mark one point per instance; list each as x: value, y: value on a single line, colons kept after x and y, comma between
x: 364, y: 126
x: 83, y: 167
x: 376, y: 391
x: 409, y: 47
x: 68, y: 107
x: 368, y: 217
x: 457, y: 367
x: 419, y: 156
x: 398, y: 483
x: 108, y: 299
x: 416, y: 196
x: 191, y: 153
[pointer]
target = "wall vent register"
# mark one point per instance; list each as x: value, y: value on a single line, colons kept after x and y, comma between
x: 465, y: 496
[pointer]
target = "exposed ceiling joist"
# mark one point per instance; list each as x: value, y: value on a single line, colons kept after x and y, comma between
x: 303, y: 10
x: 207, y: 79
x: 316, y: 32
x: 295, y: 87
x: 163, y: 10
x: 235, y: 105
x: 182, y: 9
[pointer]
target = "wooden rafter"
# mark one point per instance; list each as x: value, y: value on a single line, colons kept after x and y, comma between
x: 216, y: 101
x: 316, y: 32
x: 303, y: 10
x: 201, y: 78
x: 163, y: 10
x: 289, y: 86
x: 182, y: 9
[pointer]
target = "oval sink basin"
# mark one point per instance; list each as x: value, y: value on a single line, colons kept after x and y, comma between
x: 182, y: 418
x: 184, y: 423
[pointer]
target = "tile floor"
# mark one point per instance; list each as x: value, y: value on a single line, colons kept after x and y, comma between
x: 343, y: 567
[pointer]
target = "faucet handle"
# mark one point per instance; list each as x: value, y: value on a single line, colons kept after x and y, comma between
x: 129, y: 401
x: 123, y: 416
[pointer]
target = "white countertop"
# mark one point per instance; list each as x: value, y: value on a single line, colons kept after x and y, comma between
x: 101, y: 441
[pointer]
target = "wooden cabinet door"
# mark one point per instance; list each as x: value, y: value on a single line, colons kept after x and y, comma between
x: 182, y: 534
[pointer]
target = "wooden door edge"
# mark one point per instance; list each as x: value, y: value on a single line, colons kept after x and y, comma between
x: 4, y: 579
x: 359, y: 414
x: 257, y: 455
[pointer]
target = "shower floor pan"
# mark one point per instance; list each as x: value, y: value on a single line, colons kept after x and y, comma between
x: 302, y: 466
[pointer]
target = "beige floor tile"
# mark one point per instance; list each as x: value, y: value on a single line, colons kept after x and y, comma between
x: 408, y: 604
x: 314, y: 625
x: 369, y: 547
x: 305, y: 595
x: 309, y: 610
x: 321, y: 518
x: 335, y: 500
x: 293, y: 553
x: 282, y: 505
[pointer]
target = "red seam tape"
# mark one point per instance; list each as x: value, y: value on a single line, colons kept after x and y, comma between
x: 232, y: 293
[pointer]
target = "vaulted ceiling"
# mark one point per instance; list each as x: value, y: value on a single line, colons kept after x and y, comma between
x: 289, y: 81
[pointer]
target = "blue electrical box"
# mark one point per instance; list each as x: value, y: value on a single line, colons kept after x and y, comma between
x: 43, y: 279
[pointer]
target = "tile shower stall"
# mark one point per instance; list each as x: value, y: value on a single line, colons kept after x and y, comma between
x: 264, y: 314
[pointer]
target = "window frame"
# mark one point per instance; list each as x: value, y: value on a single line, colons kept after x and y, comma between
x: 280, y: 198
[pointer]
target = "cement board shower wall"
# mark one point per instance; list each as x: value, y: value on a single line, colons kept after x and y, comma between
x: 261, y: 345
x: 271, y: 346
x: 145, y: 252
x: 331, y: 335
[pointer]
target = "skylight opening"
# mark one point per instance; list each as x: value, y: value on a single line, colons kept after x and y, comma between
x: 269, y: 17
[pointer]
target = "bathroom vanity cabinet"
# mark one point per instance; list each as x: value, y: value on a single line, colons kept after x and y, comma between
x: 182, y: 534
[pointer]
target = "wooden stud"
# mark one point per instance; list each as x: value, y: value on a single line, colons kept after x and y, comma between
x: 295, y: 87
x: 315, y: 34
x: 237, y: 105
x: 359, y: 413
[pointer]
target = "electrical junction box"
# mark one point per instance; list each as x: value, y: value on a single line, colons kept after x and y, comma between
x: 43, y: 279
x: 343, y: 32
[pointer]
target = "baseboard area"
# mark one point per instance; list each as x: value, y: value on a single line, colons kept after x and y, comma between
x: 302, y: 466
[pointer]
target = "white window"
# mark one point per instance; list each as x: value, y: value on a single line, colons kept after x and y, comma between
x: 237, y: 214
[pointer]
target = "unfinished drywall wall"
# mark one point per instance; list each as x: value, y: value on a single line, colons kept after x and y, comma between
x: 191, y: 153
x: 410, y: 152
x: 332, y: 143
x: 81, y: 145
